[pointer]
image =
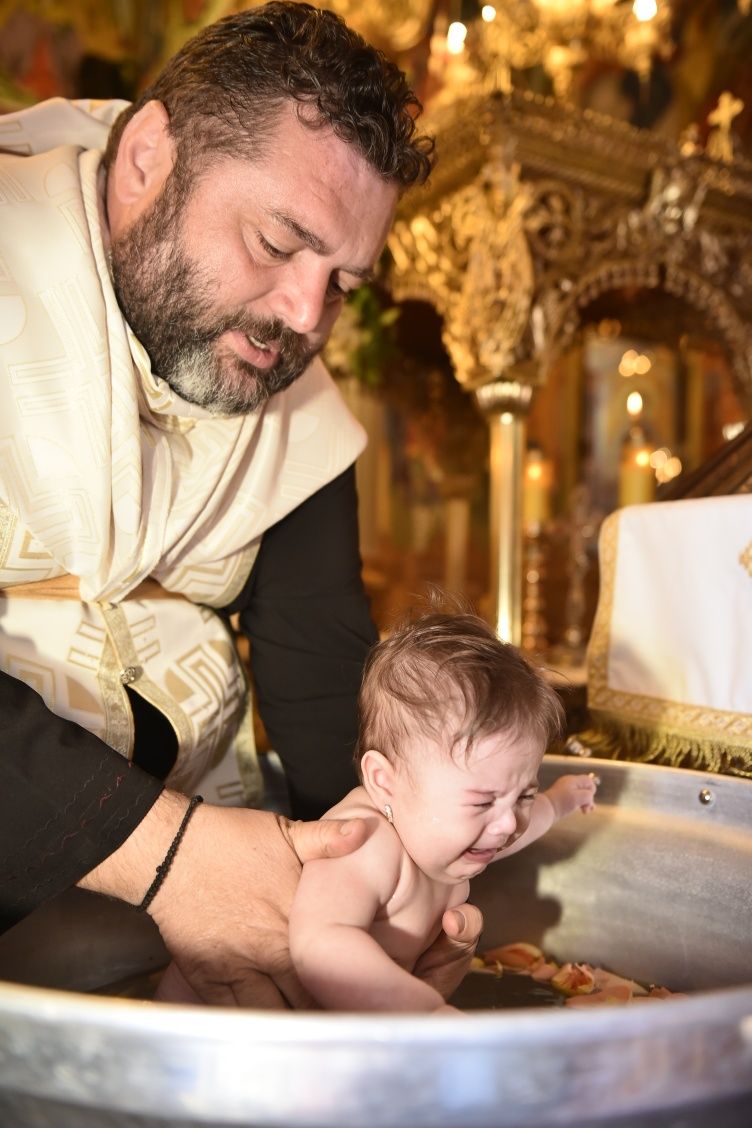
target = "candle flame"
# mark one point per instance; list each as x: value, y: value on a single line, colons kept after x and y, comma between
x: 456, y: 35
x: 645, y: 10
x: 634, y: 404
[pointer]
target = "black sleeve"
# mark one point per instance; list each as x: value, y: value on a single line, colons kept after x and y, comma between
x: 307, y: 616
x: 67, y: 801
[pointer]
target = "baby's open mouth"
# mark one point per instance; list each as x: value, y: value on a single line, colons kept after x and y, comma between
x: 485, y: 855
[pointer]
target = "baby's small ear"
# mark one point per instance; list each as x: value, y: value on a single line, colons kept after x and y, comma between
x: 378, y: 775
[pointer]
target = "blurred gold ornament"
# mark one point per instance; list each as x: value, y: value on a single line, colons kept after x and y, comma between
x: 559, y: 35
x: 392, y: 25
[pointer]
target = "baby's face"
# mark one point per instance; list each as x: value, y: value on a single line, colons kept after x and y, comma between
x: 454, y: 814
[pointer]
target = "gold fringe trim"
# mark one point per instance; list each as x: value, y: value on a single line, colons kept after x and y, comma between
x: 613, y: 739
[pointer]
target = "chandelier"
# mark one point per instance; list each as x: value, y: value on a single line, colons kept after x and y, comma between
x: 560, y: 35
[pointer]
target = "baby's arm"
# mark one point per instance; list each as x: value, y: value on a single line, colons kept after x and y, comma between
x: 336, y: 958
x: 566, y: 794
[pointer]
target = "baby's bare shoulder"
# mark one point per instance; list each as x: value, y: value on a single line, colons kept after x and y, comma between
x: 382, y: 848
x: 356, y: 804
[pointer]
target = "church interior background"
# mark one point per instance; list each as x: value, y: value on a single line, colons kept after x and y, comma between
x: 560, y: 325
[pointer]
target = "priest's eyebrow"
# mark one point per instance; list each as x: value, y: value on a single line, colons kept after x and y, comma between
x: 365, y: 273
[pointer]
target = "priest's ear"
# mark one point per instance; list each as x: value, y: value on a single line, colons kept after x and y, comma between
x: 144, y: 159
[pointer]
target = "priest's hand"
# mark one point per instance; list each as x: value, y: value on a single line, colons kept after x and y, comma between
x: 223, y: 906
x: 445, y: 964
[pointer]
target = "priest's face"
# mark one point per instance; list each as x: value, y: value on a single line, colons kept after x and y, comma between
x: 233, y: 286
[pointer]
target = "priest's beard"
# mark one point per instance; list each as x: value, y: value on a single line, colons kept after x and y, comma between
x: 166, y: 301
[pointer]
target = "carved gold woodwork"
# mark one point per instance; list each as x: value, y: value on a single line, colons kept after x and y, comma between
x: 533, y: 212
x: 470, y: 257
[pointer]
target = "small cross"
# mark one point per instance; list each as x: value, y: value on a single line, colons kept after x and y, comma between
x: 727, y: 109
x: 720, y: 145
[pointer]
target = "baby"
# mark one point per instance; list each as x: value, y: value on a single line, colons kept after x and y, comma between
x: 454, y: 724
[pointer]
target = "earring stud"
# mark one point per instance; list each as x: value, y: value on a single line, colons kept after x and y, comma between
x: 389, y: 813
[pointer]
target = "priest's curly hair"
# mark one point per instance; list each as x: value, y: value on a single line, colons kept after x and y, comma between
x: 224, y: 90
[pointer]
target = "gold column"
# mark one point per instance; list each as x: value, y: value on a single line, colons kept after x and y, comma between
x: 505, y: 404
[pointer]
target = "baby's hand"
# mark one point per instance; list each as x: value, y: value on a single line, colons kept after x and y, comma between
x: 572, y: 792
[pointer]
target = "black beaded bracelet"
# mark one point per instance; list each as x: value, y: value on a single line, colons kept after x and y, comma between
x: 164, y: 866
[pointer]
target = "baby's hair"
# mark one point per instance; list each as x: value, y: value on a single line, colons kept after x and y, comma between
x: 447, y: 676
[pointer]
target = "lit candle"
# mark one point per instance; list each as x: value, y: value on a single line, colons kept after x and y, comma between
x: 536, y: 495
x: 636, y: 476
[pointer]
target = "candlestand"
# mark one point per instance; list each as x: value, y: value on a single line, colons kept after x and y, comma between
x: 534, y: 624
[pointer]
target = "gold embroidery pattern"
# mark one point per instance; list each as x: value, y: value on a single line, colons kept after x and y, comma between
x: 745, y: 558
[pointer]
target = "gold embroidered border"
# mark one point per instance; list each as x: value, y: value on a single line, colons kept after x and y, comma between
x: 124, y: 655
x: 8, y: 522
x: 600, y: 636
x: 639, y: 727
